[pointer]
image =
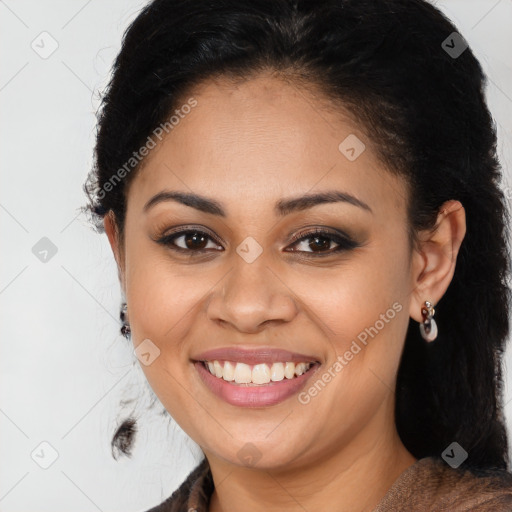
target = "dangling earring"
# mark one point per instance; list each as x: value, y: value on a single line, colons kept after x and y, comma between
x: 125, y: 328
x: 428, y: 328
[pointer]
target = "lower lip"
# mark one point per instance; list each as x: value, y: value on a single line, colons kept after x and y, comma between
x: 260, y: 395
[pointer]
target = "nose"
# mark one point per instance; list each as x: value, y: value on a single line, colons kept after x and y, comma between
x: 250, y: 297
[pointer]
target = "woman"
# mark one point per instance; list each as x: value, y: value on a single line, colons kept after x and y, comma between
x: 303, y: 201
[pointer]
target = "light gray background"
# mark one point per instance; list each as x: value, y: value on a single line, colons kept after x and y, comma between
x: 63, y: 366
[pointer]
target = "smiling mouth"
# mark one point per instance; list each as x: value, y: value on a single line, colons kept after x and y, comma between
x: 256, y: 374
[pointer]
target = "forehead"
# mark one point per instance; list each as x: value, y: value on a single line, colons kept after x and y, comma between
x: 265, y: 138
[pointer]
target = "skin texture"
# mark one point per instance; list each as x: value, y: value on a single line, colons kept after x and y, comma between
x: 248, y: 146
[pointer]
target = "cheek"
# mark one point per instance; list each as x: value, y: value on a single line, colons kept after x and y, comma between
x: 162, y: 301
x: 364, y: 309
x: 354, y: 298
x: 162, y: 297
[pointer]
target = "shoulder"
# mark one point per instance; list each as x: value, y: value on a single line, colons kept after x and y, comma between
x: 431, y: 484
x: 193, y: 493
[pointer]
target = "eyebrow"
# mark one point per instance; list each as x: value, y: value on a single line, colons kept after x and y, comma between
x: 282, y: 207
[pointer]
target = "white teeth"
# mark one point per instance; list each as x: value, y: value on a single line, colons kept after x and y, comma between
x: 218, y: 369
x: 228, y: 372
x: 277, y: 372
x: 289, y: 370
x: 243, y: 373
x: 300, y: 368
x: 261, y: 373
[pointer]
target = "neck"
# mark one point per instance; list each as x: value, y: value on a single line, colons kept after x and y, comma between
x: 353, y: 478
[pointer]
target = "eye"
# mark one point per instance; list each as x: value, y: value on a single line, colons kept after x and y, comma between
x: 190, y: 240
x: 320, y: 240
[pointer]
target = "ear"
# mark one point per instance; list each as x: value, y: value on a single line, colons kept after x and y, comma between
x: 435, y: 256
x: 112, y: 230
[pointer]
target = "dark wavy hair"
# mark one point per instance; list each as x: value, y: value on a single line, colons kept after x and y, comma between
x: 424, y: 110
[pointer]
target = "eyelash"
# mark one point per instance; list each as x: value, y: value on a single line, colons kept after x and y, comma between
x: 345, y: 243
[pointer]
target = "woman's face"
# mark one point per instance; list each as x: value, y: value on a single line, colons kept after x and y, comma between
x: 340, y: 299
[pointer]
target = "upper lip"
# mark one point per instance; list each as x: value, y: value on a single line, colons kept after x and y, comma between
x: 253, y: 356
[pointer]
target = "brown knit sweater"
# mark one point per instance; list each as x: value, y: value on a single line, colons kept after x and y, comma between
x: 429, y: 485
